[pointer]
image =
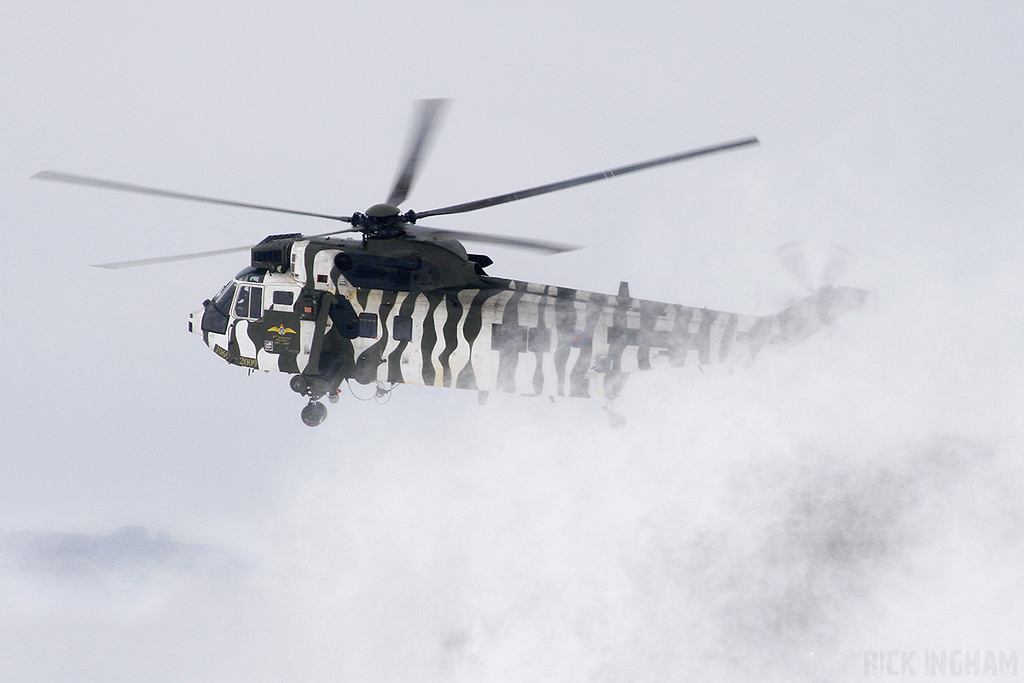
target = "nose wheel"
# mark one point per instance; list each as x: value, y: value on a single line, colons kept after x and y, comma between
x: 314, y: 413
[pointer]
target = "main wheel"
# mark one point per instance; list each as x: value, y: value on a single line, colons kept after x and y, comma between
x: 314, y: 413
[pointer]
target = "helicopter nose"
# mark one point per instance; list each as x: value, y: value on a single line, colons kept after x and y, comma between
x: 193, y: 322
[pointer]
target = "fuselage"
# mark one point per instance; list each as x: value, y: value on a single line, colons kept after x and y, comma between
x: 425, y: 313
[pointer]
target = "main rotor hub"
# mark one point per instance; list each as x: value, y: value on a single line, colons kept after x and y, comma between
x: 382, y: 211
x: 383, y: 221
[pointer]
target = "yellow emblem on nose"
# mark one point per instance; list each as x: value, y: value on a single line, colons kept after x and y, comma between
x: 281, y: 329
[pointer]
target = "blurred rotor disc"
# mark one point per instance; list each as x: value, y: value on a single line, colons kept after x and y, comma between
x: 804, y: 266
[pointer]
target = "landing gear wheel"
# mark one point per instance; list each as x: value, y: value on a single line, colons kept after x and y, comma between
x: 314, y: 413
x: 299, y: 385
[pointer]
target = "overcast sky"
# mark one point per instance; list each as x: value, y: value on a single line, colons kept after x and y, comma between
x: 859, y: 492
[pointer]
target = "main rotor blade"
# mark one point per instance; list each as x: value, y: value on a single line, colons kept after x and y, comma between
x: 518, y: 242
x: 429, y: 112
x: 170, y: 259
x: 573, y: 182
x: 201, y: 254
x: 59, y: 177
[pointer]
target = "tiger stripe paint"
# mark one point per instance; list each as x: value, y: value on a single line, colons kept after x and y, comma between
x: 484, y: 339
x: 473, y: 331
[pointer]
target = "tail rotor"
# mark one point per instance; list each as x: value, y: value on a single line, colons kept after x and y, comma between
x: 804, y: 267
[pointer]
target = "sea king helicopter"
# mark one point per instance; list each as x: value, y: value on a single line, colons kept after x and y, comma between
x: 406, y: 303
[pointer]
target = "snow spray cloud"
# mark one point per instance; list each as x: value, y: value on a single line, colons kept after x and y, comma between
x: 770, y: 524
x: 850, y: 495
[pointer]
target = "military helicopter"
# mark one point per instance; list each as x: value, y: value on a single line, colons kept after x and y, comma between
x: 406, y: 303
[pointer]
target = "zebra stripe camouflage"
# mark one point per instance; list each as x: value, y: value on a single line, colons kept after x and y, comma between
x: 544, y: 340
x: 436, y: 320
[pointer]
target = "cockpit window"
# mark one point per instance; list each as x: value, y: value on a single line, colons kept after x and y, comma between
x: 215, y: 318
x: 249, y: 303
x: 252, y: 274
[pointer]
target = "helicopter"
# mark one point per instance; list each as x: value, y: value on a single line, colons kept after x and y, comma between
x: 402, y: 303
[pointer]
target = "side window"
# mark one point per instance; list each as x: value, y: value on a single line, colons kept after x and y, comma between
x: 256, y: 303
x: 520, y: 339
x: 242, y: 302
x: 508, y: 338
x: 249, y: 303
x: 368, y: 325
x: 403, y: 328
x: 281, y: 300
